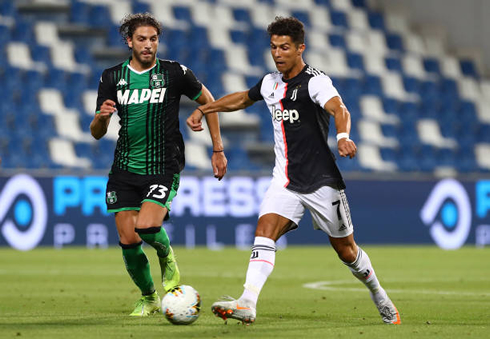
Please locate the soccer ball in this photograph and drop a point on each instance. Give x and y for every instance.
(181, 306)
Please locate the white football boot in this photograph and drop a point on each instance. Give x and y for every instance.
(386, 308)
(235, 309)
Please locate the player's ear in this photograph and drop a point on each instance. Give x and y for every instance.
(301, 48)
(130, 42)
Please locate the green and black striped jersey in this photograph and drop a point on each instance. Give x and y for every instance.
(147, 102)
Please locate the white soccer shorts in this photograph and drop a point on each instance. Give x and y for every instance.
(328, 207)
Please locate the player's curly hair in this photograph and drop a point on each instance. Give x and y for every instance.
(288, 26)
(131, 22)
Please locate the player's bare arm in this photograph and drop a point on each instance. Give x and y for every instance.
(218, 159)
(337, 108)
(98, 126)
(228, 103)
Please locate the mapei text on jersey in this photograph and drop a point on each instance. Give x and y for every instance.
(137, 96)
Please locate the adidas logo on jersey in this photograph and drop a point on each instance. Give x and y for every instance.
(137, 96)
(285, 115)
(122, 82)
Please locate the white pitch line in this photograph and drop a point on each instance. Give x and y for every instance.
(327, 286)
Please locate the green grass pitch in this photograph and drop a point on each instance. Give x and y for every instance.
(81, 293)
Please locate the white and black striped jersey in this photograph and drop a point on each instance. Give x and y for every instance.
(304, 162)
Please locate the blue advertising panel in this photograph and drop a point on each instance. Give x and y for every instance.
(70, 210)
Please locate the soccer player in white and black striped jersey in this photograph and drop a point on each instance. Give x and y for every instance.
(301, 100)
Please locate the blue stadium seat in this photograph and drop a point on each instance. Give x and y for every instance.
(239, 36)
(406, 160)
(411, 84)
(429, 90)
(99, 16)
(339, 19)
(372, 85)
(483, 133)
(4, 35)
(431, 65)
(84, 56)
(469, 69)
(394, 42)
(114, 38)
(238, 159)
(182, 13)
(465, 160)
(141, 7)
(41, 54)
(376, 20)
(303, 16)
(352, 88)
(34, 81)
(337, 40)
(359, 3)
(393, 64)
(355, 61)
(449, 88)
(8, 9)
(80, 13)
(57, 78)
(242, 15)
(388, 154)
(323, 2)
(22, 32)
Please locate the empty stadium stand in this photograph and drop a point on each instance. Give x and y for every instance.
(415, 107)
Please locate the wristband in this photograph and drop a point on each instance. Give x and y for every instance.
(218, 151)
(200, 110)
(342, 136)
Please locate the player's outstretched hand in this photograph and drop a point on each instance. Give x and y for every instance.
(220, 163)
(347, 148)
(194, 121)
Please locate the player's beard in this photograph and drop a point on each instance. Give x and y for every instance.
(146, 62)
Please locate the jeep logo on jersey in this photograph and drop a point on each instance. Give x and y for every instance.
(287, 115)
(157, 80)
(138, 96)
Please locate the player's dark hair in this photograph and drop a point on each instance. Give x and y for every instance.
(288, 26)
(131, 22)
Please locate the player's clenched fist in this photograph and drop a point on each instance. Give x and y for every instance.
(347, 148)
(194, 121)
(107, 108)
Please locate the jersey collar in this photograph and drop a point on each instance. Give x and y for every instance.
(142, 72)
(297, 75)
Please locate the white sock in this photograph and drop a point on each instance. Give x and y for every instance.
(362, 269)
(259, 268)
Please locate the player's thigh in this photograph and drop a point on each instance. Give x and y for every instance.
(158, 192)
(330, 211)
(280, 211)
(125, 223)
(151, 215)
(273, 226)
(123, 191)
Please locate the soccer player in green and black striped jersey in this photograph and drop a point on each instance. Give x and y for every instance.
(149, 156)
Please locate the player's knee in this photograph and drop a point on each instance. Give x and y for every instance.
(347, 254)
(129, 238)
(144, 224)
(266, 233)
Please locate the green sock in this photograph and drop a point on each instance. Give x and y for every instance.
(138, 267)
(157, 238)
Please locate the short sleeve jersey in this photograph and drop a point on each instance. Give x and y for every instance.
(148, 102)
(304, 162)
